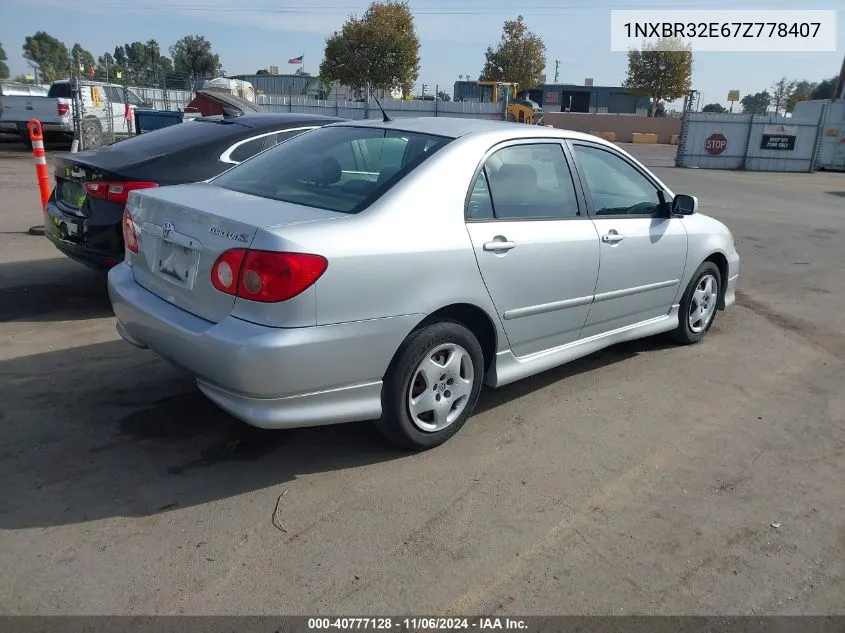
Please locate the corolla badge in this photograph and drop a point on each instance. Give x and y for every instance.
(238, 237)
(168, 229)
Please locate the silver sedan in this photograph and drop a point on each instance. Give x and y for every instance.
(387, 270)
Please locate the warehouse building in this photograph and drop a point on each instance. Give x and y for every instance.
(298, 84)
(566, 97)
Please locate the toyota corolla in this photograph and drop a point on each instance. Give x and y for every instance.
(387, 270)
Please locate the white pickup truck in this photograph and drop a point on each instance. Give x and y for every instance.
(103, 111)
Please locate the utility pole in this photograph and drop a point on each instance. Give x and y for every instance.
(557, 69)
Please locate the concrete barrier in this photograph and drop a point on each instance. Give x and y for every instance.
(607, 136)
(622, 125)
(639, 137)
(674, 139)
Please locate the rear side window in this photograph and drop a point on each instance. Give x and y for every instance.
(59, 90)
(246, 150)
(531, 181)
(338, 168)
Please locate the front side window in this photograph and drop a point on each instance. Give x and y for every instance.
(337, 168)
(531, 182)
(617, 188)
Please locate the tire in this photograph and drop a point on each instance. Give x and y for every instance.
(699, 304)
(405, 379)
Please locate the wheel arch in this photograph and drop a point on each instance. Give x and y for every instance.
(721, 261)
(475, 319)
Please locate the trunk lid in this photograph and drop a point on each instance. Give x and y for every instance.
(183, 229)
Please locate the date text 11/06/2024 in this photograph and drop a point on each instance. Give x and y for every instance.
(417, 624)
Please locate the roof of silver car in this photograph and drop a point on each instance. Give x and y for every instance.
(453, 127)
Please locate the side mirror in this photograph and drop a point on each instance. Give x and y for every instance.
(682, 204)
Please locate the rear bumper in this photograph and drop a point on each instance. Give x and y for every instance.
(21, 128)
(96, 241)
(267, 377)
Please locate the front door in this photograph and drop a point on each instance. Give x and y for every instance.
(537, 250)
(643, 251)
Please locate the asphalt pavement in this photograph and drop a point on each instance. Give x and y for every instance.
(645, 479)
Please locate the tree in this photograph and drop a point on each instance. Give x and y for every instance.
(262, 71)
(381, 50)
(757, 103)
(824, 89)
(193, 57)
(782, 91)
(48, 54)
(519, 58)
(661, 71)
(4, 69)
(716, 108)
(82, 58)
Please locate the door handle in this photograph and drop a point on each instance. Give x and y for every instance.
(612, 238)
(499, 245)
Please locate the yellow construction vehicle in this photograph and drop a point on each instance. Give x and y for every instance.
(518, 110)
(497, 89)
(525, 111)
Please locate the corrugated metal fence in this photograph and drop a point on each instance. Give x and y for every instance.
(746, 141)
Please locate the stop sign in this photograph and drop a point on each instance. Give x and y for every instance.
(716, 144)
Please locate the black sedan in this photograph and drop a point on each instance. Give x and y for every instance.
(84, 213)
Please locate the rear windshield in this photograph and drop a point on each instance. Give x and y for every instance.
(59, 90)
(338, 168)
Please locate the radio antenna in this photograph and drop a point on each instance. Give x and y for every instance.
(384, 114)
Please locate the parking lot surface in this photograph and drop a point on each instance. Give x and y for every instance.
(648, 478)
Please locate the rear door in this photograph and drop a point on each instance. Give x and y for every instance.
(643, 250)
(536, 248)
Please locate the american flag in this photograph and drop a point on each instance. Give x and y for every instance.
(296, 60)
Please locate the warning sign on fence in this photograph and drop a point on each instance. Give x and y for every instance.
(780, 137)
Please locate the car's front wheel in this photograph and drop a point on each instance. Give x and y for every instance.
(432, 386)
(699, 304)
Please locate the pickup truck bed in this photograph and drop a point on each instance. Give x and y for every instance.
(53, 113)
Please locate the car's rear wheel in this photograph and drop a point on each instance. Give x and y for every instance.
(432, 386)
(699, 304)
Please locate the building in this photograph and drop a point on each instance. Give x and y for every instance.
(295, 84)
(566, 97)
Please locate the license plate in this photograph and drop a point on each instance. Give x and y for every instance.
(176, 263)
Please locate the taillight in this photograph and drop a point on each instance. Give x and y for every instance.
(227, 268)
(62, 109)
(266, 276)
(130, 237)
(115, 191)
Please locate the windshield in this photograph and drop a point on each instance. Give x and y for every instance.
(337, 168)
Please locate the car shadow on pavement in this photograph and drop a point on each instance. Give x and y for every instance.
(106, 430)
(55, 289)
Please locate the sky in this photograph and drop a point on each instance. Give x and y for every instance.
(253, 34)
